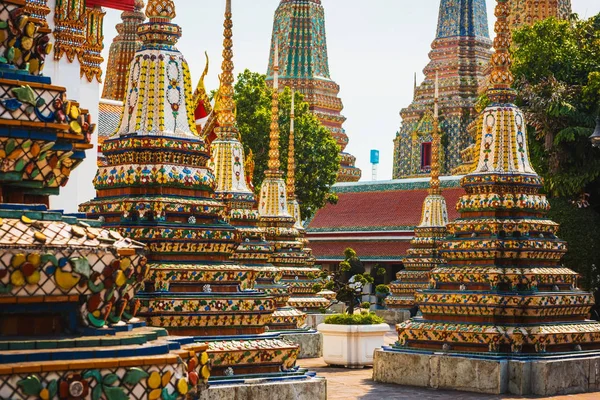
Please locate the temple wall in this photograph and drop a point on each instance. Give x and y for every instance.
(67, 74)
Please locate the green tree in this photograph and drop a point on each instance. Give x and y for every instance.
(317, 154)
(557, 75)
(578, 226)
(557, 72)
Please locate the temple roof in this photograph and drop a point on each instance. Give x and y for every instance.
(109, 118)
(381, 206)
(383, 250)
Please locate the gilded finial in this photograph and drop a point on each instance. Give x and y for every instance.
(291, 172)
(161, 10)
(435, 144)
(274, 163)
(501, 76)
(159, 30)
(415, 87)
(139, 5)
(226, 116)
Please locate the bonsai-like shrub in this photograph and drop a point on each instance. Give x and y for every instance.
(349, 290)
(354, 319)
(382, 289)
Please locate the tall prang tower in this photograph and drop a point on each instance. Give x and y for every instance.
(460, 53)
(121, 53)
(299, 28)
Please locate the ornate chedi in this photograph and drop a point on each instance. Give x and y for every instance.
(522, 12)
(423, 256)
(300, 280)
(68, 324)
(299, 31)
(232, 184)
(121, 53)
(460, 54)
(158, 188)
(503, 289)
(278, 224)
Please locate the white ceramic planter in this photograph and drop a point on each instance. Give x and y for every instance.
(351, 345)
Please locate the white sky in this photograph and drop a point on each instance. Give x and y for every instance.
(374, 49)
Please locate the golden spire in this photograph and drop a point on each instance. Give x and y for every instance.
(501, 76)
(159, 30)
(225, 115)
(160, 10)
(415, 87)
(291, 174)
(274, 163)
(435, 143)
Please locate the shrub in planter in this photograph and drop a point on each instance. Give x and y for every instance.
(350, 339)
(355, 319)
(382, 289)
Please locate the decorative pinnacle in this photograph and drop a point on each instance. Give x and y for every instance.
(159, 31)
(226, 116)
(274, 163)
(435, 144)
(161, 10)
(139, 5)
(501, 77)
(415, 87)
(291, 173)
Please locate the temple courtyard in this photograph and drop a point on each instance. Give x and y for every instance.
(350, 384)
(163, 237)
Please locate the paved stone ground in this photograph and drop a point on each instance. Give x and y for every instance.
(350, 384)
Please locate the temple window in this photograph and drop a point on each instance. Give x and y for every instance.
(426, 156)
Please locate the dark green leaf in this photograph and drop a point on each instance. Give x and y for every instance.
(134, 376)
(110, 379)
(31, 385)
(114, 393)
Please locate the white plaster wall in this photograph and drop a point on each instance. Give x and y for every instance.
(80, 188)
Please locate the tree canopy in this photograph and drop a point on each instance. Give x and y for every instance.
(317, 153)
(557, 72)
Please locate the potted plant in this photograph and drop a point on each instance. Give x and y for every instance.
(350, 338)
(381, 291)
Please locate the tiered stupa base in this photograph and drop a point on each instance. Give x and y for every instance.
(132, 362)
(67, 315)
(210, 312)
(518, 374)
(301, 281)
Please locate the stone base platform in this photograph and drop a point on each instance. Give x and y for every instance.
(313, 320)
(393, 317)
(547, 376)
(310, 342)
(305, 389)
